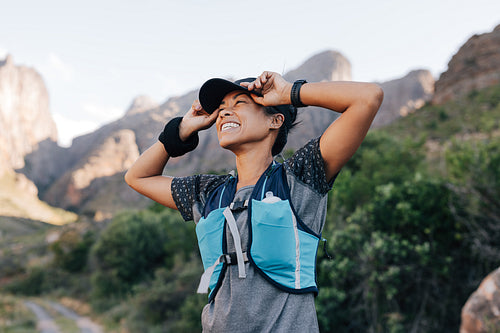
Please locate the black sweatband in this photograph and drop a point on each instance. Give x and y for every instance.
(295, 94)
(172, 142)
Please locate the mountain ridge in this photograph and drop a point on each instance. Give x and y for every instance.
(58, 178)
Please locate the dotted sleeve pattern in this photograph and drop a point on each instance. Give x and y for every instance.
(308, 167)
(188, 190)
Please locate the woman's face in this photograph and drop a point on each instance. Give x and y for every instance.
(242, 121)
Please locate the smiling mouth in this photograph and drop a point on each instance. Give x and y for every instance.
(228, 126)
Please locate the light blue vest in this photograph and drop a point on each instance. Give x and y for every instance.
(280, 247)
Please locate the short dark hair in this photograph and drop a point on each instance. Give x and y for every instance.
(290, 114)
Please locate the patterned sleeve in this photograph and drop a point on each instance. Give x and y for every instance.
(188, 190)
(308, 167)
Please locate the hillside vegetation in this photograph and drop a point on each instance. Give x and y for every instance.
(413, 226)
(19, 198)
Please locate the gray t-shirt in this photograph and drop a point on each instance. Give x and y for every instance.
(252, 304)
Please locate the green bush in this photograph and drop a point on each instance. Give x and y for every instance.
(408, 248)
(39, 280)
(474, 172)
(396, 263)
(130, 249)
(147, 267)
(71, 250)
(381, 159)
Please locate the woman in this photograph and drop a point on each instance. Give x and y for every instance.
(258, 232)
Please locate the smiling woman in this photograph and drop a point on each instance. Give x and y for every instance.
(258, 232)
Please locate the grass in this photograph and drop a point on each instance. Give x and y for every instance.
(477, 112)
(18, 201)
(14, 316)
(22, 244)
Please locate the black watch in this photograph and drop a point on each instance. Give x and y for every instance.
(295, 94)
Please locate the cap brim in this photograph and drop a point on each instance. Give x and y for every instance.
(213, 91)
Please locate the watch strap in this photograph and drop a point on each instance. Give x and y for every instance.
(295, 94)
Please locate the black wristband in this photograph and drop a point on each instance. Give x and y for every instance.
(172, 142)
(295, 94)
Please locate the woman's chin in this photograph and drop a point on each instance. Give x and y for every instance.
(226, 144)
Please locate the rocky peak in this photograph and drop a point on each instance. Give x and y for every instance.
(25, 119)
(475, 66)
(8, 61)
(405, 95)
(140, 104)
(325, 66)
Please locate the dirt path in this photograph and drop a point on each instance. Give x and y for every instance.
(84, 323)
(46, 323)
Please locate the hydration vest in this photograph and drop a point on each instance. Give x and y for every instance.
(281, 247)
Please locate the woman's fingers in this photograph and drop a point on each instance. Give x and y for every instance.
(270, 85)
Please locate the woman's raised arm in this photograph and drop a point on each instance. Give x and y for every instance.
(145, 175)
(358, 103)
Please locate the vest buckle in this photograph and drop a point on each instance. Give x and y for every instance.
(238, 205)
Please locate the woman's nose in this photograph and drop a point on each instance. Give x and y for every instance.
(226, 112)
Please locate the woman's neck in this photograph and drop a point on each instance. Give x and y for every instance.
(251, 165)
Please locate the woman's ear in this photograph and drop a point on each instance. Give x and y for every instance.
(277, 120)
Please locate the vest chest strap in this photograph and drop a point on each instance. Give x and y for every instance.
(231, 258)
(238, 205)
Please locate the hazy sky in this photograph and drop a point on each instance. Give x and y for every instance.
(96, 55)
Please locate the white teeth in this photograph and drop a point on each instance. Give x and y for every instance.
(229, 125)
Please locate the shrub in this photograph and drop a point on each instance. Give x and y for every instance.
(71, 250)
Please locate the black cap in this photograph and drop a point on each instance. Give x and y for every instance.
(213, 91)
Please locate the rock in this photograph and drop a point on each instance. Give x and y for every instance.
(475, 66)
(481, 312)
(403, 96)
(141, 104)
(113, 155)
(325, 66)
(25, 119)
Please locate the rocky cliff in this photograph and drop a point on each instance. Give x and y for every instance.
(25, 124)
(25, 119)
(405, 95)
(475, 66)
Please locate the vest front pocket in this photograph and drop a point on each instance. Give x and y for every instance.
(209, 232)
(308, 251)
(273, 241)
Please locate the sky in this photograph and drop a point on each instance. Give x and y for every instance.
(96, 56)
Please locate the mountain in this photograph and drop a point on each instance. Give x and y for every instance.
(476, 65)
(88, 176)
(25, 118)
